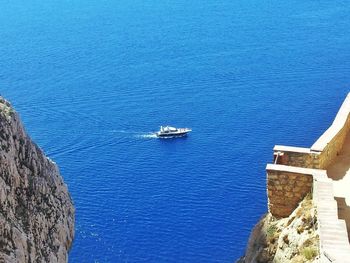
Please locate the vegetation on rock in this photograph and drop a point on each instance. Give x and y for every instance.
(288, 240)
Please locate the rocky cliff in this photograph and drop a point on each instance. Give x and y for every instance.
(288, 240)
(36, 210)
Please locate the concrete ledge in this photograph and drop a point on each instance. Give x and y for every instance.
(293, 169)
(282, 148)
(338, 124)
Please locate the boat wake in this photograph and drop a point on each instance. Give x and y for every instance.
(147, 136)
(123, 131)
(134, 134)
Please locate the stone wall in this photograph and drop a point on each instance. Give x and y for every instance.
(286, 187)
(289, 179)
(332, 140)
(334, 146)
(295, 156)
(323, 152)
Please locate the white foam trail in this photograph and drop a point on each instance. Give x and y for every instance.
(147, 136)
(121, 131)
(137, 134)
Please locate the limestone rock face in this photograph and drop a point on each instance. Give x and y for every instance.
(288, 240)
(262, 243)
(298, 240)
(36, 210)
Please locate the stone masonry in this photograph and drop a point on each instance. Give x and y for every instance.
(289, 179)
(286, 187)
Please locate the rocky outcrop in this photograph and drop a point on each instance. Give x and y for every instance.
(289, 240)
(36, 210)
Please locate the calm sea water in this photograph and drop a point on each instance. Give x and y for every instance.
(92, 79)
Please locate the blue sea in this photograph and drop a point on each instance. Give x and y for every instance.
(93, 79)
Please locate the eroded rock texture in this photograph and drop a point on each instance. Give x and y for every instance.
(36, 211)
(293, 239)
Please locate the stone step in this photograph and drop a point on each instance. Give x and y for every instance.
(321, 178)
(324, 195)
(336, 253)
(324, 220)
(323, 184)
(342, 223)
(340, 239)
(323, 259)
(326, 212)
(331, 226)
(329, 197)
(329, 229)
(319, 192)
(326, 230)
(323, 188)
(333, 232)
(336, 235)
(326, 203)
(341, 258)
(335, 258)
(324, 217)
(337, 242)
(335, 250)
(324, 181)
(328, 239)
(323, 192)
(322, 198)
(319, 198)
(330, 208)
(327, 222)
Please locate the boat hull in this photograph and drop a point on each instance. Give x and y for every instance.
(166, 133)
(170, 135)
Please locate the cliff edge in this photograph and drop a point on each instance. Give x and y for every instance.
(36, 210)
(293, 239)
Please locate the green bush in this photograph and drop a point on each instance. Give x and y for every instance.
(271, 231)
(310, 252)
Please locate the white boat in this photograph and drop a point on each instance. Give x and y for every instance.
(169, 131)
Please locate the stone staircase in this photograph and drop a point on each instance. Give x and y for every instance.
(334, 241)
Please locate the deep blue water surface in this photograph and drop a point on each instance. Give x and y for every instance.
(91, 79)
